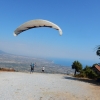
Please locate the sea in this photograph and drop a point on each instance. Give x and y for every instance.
(68, 62)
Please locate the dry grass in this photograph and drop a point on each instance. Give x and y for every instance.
(7, 69)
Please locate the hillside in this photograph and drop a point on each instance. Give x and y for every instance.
(22, 63)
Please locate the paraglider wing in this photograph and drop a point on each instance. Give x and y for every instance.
(35, 24)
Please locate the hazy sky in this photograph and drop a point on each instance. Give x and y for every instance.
(78, 19)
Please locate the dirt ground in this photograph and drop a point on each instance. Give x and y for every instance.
(43, 86)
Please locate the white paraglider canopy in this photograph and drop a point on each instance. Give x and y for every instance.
(36, 24)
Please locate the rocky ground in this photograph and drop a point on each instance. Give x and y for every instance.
(43, 86)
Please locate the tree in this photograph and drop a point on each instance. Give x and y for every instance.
(77, 66)
(98, 50)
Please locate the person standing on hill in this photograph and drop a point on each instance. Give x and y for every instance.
(43, 68)
(32, 67)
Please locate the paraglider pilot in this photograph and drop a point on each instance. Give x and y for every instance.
(32, 67)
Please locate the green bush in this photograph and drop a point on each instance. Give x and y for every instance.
(88, 73)
(92, 75)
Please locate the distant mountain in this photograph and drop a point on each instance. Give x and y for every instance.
(22, 63)
(2, 52)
